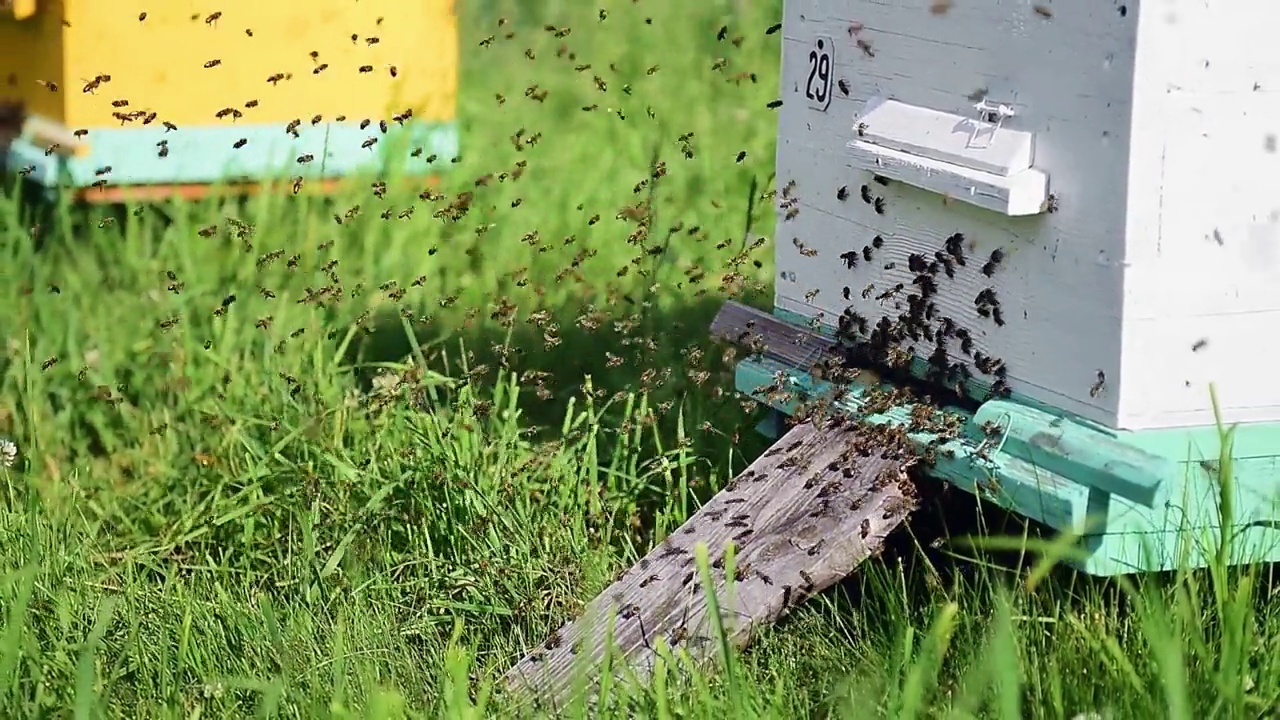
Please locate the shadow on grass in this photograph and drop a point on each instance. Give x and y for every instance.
(654, 353)
(718, 423)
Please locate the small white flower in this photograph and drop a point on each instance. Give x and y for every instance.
(8, 453)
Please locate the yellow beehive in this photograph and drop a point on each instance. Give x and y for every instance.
(233, 77)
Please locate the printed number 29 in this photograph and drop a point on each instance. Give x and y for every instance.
(817, 87)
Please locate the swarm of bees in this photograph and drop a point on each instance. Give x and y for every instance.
(287, 295)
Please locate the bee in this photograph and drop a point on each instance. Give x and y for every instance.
(1199, 345)
(168, 126)
(80, 133)
(169, 324)
(843, 193)
(1099, 385)
(989, 268)
(47, 364)
(866, 194)
(212, 64)
(1050, 204)
(843, 85)
(240, 143)
(1043, 11)
(319, 68)
(940, 7)
(742, 155)
(142, 16)
(276, 78)
(365, 69)
(48, 85)
(774, 105)
(120, 103)
(304, 159)
(213, 18)
(879, 205)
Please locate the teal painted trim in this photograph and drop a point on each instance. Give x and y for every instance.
(1141, 501)
(207, 154)
(972, 462)
(773, 426)
(1125, 553)
(1091, 458)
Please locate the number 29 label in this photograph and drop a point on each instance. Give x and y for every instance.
(822, 61)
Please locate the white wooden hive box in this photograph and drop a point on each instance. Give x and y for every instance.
(1119, 158)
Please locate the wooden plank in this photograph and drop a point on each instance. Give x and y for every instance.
(761, 333)
(801, 517)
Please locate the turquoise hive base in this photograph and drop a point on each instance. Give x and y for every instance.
(208, 154)
(1137, 501)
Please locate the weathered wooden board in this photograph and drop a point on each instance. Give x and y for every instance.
(801, 518)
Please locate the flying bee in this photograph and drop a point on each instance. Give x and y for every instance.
(1099, 385)
(212, 18)
(212, 63)
(365, 69)
(240, 143)
(47, 364)
(320, 68)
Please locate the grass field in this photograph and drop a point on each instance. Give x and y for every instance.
(370, 503)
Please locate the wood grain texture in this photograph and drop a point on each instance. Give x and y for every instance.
(801, 517)
(758, 332)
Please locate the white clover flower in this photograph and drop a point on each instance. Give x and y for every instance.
(8, 453)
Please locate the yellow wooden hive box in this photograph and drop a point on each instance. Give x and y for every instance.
(183, 93)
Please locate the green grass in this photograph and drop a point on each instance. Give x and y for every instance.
(370, 506)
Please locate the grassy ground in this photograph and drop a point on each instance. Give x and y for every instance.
(370, 504)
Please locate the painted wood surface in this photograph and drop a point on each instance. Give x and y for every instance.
(801, 518)
(187, 60)
(1152, 271)
(196, 154)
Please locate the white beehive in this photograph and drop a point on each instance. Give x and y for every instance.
(1123, 161)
